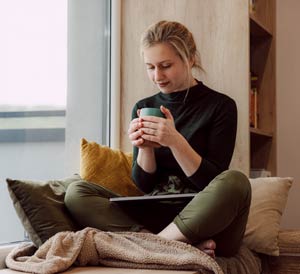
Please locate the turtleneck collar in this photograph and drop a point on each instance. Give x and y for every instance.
(179, 96)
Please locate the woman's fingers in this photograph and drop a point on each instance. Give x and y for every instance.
(163, 133)
(150, 138)
(167, 113)
(135, 135)
(149, 131)
(138, 142)
(153, 122)
(134, 125)
(134, 132)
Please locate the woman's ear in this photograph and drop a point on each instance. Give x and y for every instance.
(192, 61)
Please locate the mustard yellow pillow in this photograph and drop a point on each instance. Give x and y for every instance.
(269, 197)
(107, 167)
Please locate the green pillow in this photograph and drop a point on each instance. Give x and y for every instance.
(40, 207)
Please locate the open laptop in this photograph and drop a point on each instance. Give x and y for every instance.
(148, 198)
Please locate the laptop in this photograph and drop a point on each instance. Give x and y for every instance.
(148, 198)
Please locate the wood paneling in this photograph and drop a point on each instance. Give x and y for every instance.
(221, 31)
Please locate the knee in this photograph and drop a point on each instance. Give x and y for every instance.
(236, 184)
(73, 197)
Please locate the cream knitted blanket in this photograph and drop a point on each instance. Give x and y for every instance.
(117, 249)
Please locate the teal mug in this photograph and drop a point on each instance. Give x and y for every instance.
(151, 112)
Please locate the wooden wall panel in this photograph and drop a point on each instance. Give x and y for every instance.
(221, 31)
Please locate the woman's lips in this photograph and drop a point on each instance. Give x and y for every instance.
(162, 85)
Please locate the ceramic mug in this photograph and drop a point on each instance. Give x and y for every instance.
(151, 112)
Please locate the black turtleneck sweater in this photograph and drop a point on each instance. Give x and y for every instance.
(207, 120)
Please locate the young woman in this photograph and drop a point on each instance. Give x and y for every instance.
(187, 151)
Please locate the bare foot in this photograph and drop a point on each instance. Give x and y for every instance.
(171, 232)
(207, 247)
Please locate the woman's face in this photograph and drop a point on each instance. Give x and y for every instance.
(166, 69)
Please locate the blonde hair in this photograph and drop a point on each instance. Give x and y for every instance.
(176, 35)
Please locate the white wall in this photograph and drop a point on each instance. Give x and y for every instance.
(32, 161)
(288, 99)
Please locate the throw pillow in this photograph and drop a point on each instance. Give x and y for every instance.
(107, 167)
(40, 207)
(269, 197)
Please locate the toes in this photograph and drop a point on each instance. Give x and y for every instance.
(210, 244)
(210, 252)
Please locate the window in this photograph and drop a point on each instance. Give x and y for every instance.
(49, 78)
(34, 69)
(34, 62)
(33, 97)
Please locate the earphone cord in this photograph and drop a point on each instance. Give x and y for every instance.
(186, 94)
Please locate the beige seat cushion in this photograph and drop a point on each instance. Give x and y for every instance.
(108, 270)
(289, 260)
(289, 242)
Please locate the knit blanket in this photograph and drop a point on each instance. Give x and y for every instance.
(123, 249)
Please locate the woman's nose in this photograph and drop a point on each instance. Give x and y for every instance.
(158, 75)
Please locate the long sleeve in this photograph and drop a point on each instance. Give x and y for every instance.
(220, 145)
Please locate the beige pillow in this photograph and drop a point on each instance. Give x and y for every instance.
(269, 197)
(107, 167)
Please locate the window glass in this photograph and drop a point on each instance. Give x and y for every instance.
(33, 89)
(54, 90)
(33, 58)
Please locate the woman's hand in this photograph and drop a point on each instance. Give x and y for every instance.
(148, 131)
(159, 130)
(135, 133)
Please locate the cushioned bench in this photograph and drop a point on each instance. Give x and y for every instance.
(289, 260)
(287, 263)
(109, 270)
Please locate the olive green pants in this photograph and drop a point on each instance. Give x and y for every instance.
(218, 212)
